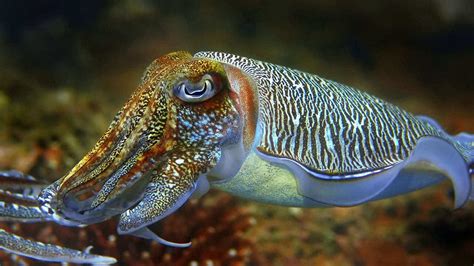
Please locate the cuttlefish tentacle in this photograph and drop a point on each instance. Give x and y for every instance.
(18, 197)
(47, 252)
(21, 205)
(19, 182)
(172, 183)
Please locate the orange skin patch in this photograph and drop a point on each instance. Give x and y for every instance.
(243, 93)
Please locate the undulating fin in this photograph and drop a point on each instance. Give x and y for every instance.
(464, 144)
(47, 252)
(471, 197)
(445, 156)
(466, 141)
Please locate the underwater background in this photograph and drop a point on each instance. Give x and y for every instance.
(67, 67)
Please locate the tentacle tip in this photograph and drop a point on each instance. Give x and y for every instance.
(98, 259)
(104, 260)
(177, 245)
(146, 233)
(87, 249)
(461, 200)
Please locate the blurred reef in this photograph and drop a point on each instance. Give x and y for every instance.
(67, 67)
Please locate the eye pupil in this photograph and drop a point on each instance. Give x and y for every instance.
(196, 92)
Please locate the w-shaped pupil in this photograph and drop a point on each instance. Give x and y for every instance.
(194, 90)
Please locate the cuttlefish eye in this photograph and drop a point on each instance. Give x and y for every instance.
(189, 91)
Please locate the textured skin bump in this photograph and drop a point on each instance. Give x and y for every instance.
(328, 127)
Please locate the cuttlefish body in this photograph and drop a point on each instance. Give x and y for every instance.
(259, 131)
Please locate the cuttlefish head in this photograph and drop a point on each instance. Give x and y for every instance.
(188, 118)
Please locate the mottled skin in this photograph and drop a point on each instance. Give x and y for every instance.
(257, 130)
(156, 138)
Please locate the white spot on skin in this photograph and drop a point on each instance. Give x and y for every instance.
(171, 185)
(395, 141)
(357, 125)
(193, 263)
(328, 137)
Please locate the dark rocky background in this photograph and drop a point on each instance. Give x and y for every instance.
(67, 67)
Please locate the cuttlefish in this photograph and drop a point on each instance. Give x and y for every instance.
(260, 131)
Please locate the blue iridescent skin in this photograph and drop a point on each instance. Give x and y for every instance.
(256, 130)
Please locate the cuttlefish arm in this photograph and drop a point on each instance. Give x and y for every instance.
(24, 207)
(171, 184)
(47, 252)
(18, 200)
(21, 183)
(19, 207)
